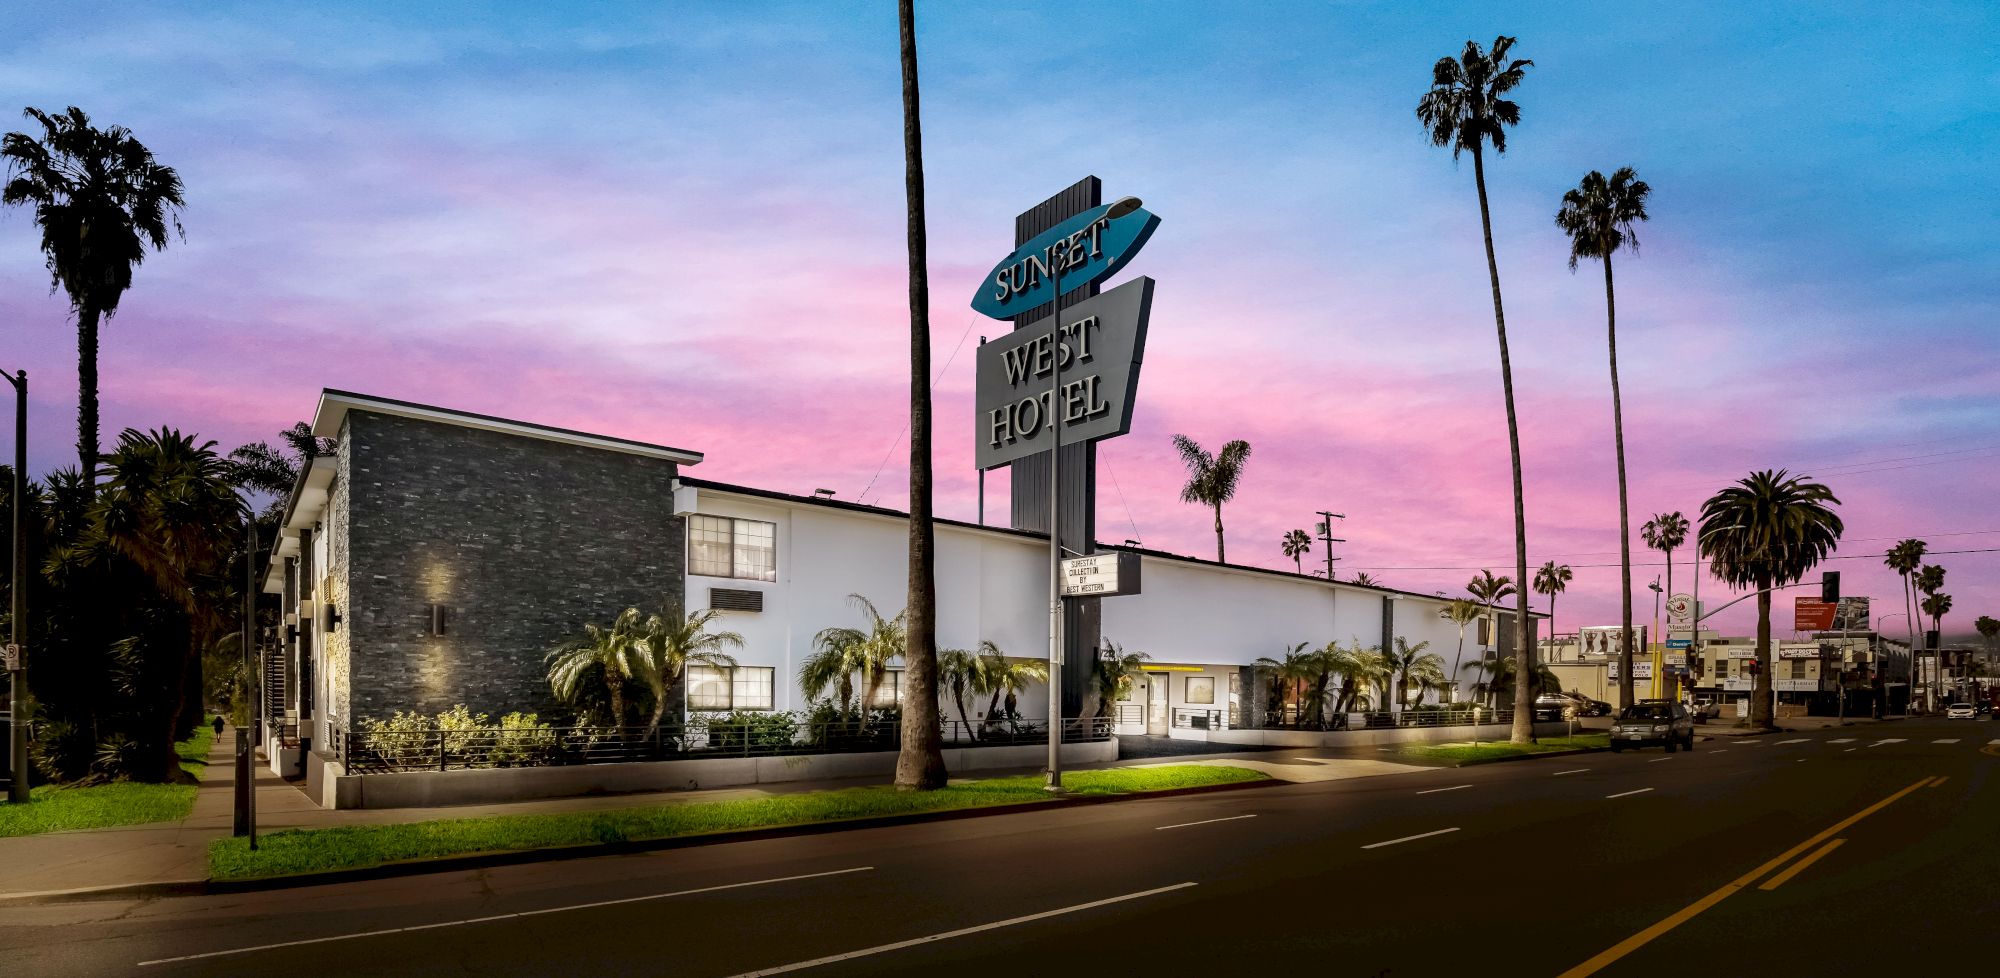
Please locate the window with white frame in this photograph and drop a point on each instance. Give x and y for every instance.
(724, 688)
(722, 546)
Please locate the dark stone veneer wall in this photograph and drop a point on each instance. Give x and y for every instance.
(525, 540)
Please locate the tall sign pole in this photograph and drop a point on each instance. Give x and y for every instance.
(1016, 417)
(17, 664)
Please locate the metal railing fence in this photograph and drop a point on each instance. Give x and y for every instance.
(1290, 718)
(386, 750)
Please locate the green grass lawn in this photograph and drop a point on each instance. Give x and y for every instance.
(55, 808)
(350, 847)
(1458, 753)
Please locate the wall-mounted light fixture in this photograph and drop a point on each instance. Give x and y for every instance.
(332, 617)
(440, 619)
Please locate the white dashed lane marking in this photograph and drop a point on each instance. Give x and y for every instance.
(1623, 794)
(1841, 740)
(1945, 740)
(1797, 740)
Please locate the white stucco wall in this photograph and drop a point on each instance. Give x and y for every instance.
(993, 585)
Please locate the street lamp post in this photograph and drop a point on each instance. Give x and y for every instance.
(1118, 209)
(1658, 661)
(17, 664)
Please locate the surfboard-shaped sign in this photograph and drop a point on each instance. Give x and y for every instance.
(1086, 248)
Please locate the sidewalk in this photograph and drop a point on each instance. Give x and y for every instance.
(167, 854)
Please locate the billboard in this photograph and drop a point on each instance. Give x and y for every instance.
(1608, 640)
(1812, 615)
(1852, 615)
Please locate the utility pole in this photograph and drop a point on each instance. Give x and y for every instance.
(1325, 528)
(17, 655)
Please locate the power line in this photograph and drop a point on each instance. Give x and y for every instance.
(906, 420)
(1121, 497)
(1606, 553)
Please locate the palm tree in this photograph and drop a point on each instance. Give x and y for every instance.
(1904, 558)
(1359, 668)
(1009, 678)
(1295, 546)
(1111, 673)
(1490, 591)
(1598, 216)
(604, 658)
(961, 671)
(1666, 532)
(1767, 530)
(1460, 612)
(1464, 109)
(100, 198)
(1428, 674)
(167, 507)
(1499, 682)
(1937, 605)
(1212, 478)
(1298, 670)
(672, 641)
(1406, 661)
(840, 654)
(1989, 628)
(920, 759)
(1365, 579)
(1551, 580)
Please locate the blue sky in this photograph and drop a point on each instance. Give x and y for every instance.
(683, 222)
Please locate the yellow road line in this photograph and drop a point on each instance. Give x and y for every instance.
(1683, 915)
(1939, 781)
(1798, 867)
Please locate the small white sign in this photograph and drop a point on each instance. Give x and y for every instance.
(1100, 575)
(1680, 611)
(10, 656)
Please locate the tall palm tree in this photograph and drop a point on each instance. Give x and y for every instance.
(1405, 661)
(1552, 579)
(1904, 558)
(1112, 673)
(1465, 110)
(99, 198)
(1460, 612)
(672, 641)
(962, 671)
(840, 654)
(1598, 216)
(168, 508)
(1937, 604)
(603, 657)
(1767, 530)
(1667, 532)
(1212, 478)
(920, 759)
(1295, 546)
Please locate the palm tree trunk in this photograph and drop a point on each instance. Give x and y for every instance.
(1219, 558)
(1761, 712)
(1524, 718)
(86, 395)
(1552, 617)
(1624, 508)
(920, 761)
(616, 687)
(1456, 658)
(1298, 564)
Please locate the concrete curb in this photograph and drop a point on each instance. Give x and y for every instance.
(487, 860)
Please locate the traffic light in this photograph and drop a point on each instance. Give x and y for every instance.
(1756, 668)
(1829, 587)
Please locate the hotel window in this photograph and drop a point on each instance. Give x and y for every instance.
(740, 688)
(889, 694)
(719, 546)
(1798, 668)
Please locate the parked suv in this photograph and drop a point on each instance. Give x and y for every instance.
(1653, 722)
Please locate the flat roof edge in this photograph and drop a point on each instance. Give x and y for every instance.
(333, 404)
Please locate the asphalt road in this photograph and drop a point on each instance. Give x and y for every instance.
(1832, 853)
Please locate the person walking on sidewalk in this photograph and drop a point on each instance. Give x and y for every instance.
(217, 724)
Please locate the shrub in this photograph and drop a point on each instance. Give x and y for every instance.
(755, 729)
(460, 738)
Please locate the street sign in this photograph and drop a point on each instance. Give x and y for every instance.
(1679, 643)
(10, 656)
(1103, 339)
(1100, 575)
(1086, 248)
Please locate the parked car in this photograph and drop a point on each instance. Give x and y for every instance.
(1960, 711)
(1586, 706)
(1552, 707)
(1650, 722)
